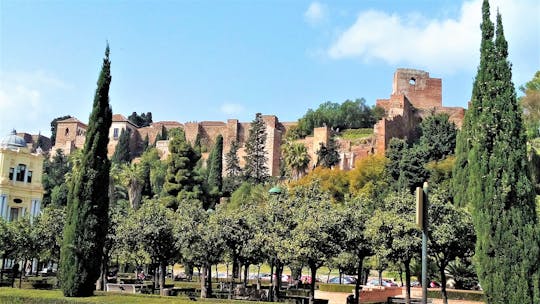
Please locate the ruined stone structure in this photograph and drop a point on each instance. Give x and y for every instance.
(414, 95)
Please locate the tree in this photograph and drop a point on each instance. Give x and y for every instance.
(438, 136)
(182, 180)
(394, 234)
(214, 167)
(132, 177)
(49, 227)
(491, 170)
(368, 178)
(88, 201)
(143, 120)
(122, 154)
(316, 235)
(531, 106)
(256, 155)
(328, 156)
(155, 235)
(233, 172)
(54, 123)
(356, 214)
(451, 235)
(296, 158)
(54, 179)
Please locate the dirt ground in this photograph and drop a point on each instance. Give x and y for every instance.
(341, 298)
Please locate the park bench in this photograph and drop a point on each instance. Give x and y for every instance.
(402, 300)
(129, 288)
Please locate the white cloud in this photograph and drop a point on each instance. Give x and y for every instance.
(315, 13)
(440, 45)
(24, 101)
(232, 109)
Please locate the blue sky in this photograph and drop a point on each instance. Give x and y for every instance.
(214, 60)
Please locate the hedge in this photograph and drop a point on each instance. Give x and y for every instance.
(336, 287)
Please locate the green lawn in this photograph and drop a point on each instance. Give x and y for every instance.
(15, 296)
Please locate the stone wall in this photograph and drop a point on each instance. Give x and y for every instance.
(422, 91)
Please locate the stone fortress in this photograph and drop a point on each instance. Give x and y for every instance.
(414, 95)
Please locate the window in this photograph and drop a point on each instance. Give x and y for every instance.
(67, 131)
(412, 81)
(11, 171)
(29, 177)
(21, 170)
(13, 214)
(115, 133)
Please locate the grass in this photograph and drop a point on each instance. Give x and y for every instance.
(356, 136)
(26, 296)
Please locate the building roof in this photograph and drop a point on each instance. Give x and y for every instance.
(72, 119)
(12, 141)
(119, 117)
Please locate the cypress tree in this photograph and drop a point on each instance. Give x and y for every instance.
(214, 167)
(255, 169)
(121, 153)
(493, 166)
(233, 172)
(88, 201)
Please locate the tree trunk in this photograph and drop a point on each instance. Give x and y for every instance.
(21, 273)
(235, 267)
(209, 282)
(358, 282)
(202, 277)
(102, 282)
(272, 283)
(162, 272)
(135, 194)
(328, 276)
(246, 271)
(313, 269)
(407, 282)
(380, 276)
(400, 275)
(443, 284)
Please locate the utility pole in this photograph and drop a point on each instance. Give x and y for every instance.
(422, 223)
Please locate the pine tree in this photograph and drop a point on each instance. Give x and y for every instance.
(214, 167)
(492, 165)
(145, 143)
(256, 169)
(121, 153)
(88, 201)
(182, 180)
(233, 172)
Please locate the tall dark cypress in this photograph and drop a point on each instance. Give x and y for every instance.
(122, 154)
(88, 201)
(493, 166)
(214, 167)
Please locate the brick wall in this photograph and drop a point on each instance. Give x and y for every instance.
(423, 91)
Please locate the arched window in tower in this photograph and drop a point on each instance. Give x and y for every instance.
(67, 131)
(412, 81)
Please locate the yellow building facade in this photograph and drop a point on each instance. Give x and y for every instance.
(21, 189)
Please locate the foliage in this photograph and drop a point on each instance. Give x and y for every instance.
(531, 106)
(333, 181)
(296, 158)
(328, 155)
(315, 236)
(54, 123)
(491, 170)
(152, 173)
(132, 176)
(182, 180)
(54, 179)
(348, 115)
(247, 194)
(451, 234)
(88, 201)
(233, 172)
(393, 232)
(143, 120)
(368, 178)
(214, 167)
(438, 136)
(462, 271)
(122, 155)
(256, 157)
(48, 228)
(154, 224)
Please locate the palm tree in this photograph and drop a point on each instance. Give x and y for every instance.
(296, 158)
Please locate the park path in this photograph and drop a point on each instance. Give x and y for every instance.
(341, 298)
